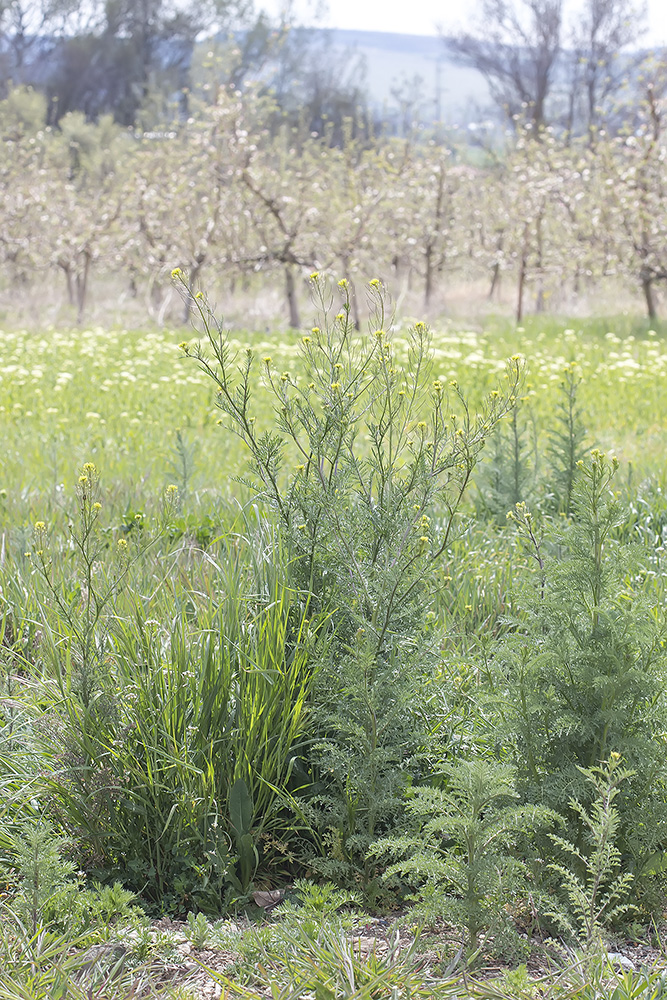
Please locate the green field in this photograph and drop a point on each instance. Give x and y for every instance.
(118, 397)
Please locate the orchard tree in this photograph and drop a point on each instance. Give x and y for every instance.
(79, 195)
(588, 251)
(194, 219)
(361, 181)
(634, 200)
(284, 188)
(24, 142)
(439, 189)
(520, 222)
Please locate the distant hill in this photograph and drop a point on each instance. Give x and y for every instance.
(407, 78)
(448, 93)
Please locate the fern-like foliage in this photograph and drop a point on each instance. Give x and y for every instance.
(597, 890)
(566, 442)
(580, 672)
(462, 853)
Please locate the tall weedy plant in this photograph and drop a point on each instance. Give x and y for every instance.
(581, 673)
(364, 470)
(595, 886)
(461, 850)
(508, 474)
(566, 442)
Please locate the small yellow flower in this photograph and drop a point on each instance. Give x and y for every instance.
(83, 480)
(342, 283)
(420, 325)
(97, 506)
(306, 340)
(285, 377)
(122, 544)
(335, 386)
(314, 275)
(379, 334)
(40, 526)
(315, 330)
(300, 468)
(340, 317)
(374, 283)
(423, 539)
(267, 360)
(176, 273)
(199, 295)
(422, 425)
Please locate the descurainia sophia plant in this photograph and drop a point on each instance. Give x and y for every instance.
(364, 471)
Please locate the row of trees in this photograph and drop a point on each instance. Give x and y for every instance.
(237, 191)
(140, 62)
(132, 59)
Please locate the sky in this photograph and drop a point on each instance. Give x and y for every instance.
(423, 17)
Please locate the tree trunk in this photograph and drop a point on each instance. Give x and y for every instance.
(495, 281)
(82, 286)
(428, 278)
(539, 298)
(290, 291)
(68, 279)
(521, 289)
(647, 288)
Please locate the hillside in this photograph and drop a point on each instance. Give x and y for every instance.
(447, 92)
